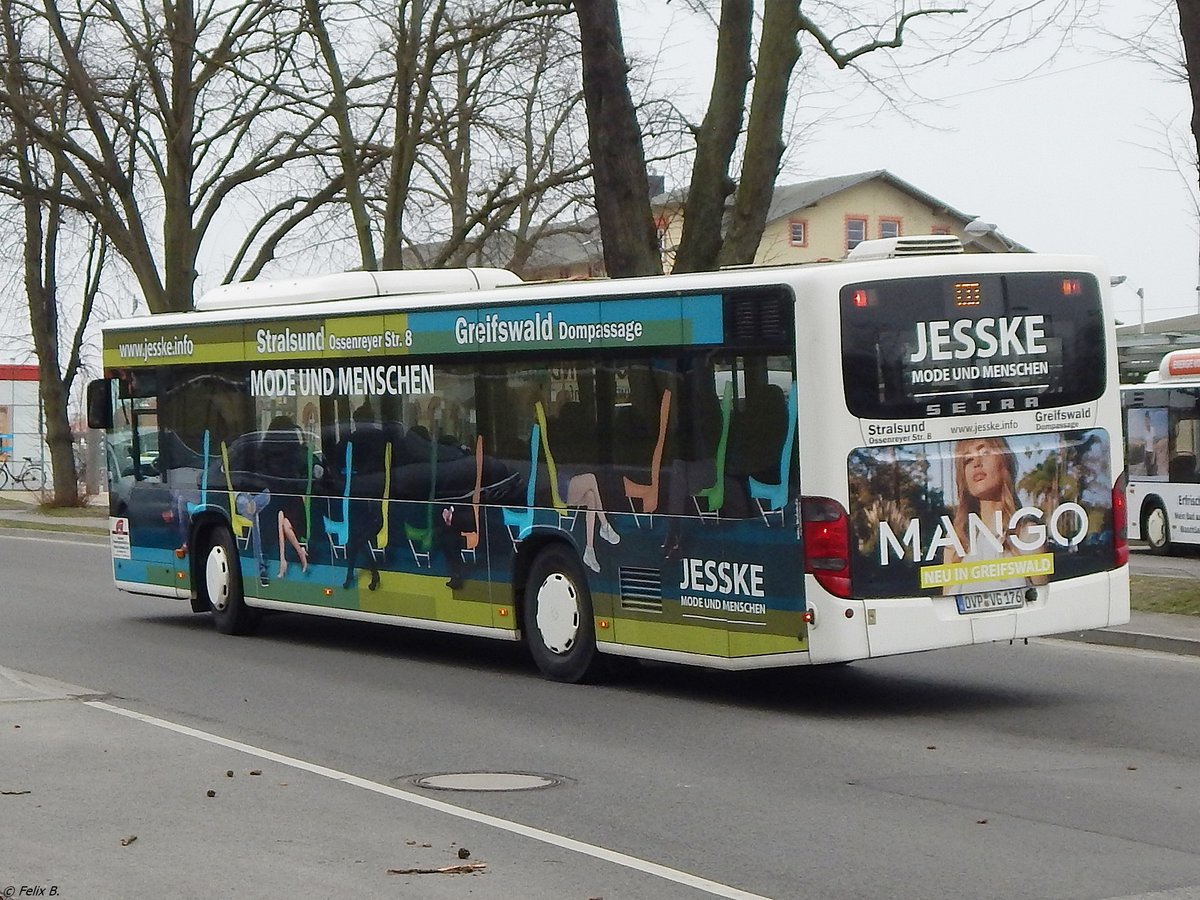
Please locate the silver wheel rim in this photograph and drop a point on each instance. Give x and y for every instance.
(1156, 527)
(216, 577)
(558, 613)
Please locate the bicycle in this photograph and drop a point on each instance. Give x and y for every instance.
(30, 475)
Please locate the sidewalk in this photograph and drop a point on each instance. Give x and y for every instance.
(1163, 632)
(102, 801)
(92, 519)
(1145, 631)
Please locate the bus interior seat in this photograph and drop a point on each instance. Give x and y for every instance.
(1183, 468)
(632, 439)
(759, 430)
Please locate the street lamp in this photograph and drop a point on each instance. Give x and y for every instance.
(1141, 295)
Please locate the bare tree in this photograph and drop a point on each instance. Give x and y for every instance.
(1167, 37)
(1189, 32)
(451, 143)
(45, 234)
(738, 154)
(182, 111)
(615, 141)
(502, 158)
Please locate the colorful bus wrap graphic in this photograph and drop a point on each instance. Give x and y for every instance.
(625, 323)
(980, 516)
(438, 540)
(422, 491)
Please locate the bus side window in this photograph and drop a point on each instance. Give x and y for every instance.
(759, 429)
(1183, 468)
(1184, 433)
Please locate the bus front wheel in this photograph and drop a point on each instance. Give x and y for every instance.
(223, 586)
(557, 617)
(1156, 529)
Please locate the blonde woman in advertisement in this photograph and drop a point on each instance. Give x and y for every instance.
(985, 478)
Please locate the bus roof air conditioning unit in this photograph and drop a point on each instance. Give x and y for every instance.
(914, 245)
(352, 286)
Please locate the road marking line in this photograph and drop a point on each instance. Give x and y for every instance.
(546, 837)
(97, 540)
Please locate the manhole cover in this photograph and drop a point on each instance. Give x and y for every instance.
(486, 781)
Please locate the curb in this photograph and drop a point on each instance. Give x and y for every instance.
(1136, 640)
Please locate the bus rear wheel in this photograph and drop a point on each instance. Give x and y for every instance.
(222, 584)
(557, 617)
(1156, 529)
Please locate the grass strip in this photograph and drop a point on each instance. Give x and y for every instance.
(1155, 594)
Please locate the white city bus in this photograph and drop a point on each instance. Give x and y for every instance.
(1162, 444)
(912, 449)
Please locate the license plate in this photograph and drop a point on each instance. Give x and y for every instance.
(1014, 598)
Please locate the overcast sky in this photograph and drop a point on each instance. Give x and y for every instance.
(1071, 158)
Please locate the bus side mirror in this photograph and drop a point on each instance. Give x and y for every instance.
(99, 404)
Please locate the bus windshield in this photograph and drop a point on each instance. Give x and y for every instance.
(963, 345)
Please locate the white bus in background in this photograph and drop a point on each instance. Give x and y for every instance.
(1162, 446)
(761, 467)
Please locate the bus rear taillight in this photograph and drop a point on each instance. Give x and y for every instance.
(1120, 522)
(827, 544)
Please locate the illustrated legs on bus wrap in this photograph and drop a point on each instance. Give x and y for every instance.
(287, 535)
(458, 532)
(366, 518)
(180, 515)
(686, 478)
(470, 537)
(366, 454)
(184, 501)
(583, 491)
(284, 458)
(450, 535)
(249, 506)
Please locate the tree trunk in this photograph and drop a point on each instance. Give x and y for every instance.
(778, 54)
(179, 234)
(704, 219)
(348, 151)
(43, 320)
(615, 141)
(59, 439)
(1189, 30)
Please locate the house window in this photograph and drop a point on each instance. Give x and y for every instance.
(940, 229)
(798, 232)
(856, 231)
(889, 228)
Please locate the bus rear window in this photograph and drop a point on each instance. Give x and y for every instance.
(967, 345)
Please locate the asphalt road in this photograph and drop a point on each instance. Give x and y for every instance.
(1185, 563)
(1047, 770)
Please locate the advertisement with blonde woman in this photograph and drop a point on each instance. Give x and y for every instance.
(980, 517)
(985, 478)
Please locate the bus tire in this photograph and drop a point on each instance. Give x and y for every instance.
(221, 581)
(1156, 528)
(557, 617)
